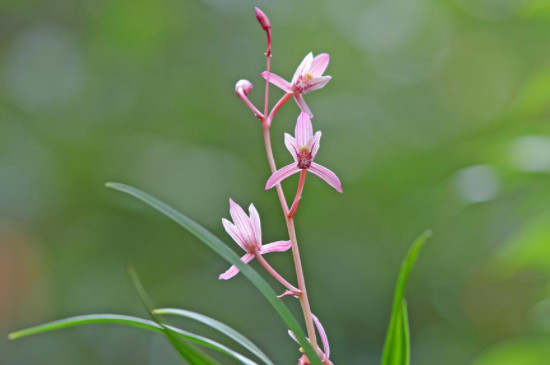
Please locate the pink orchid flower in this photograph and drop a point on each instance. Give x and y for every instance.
(303, 148)
(323, 354)
(308, 77)
(247, 232)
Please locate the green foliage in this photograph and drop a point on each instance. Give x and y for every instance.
(224, 251)
(219, 326)
(397, 348)
(129, 321)
(187, 352)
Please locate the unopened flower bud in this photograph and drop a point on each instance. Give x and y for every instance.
(263, 19)
(244, 85)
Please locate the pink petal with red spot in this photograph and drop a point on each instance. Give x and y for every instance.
(241, 221)
(317, 83)
(319, 64)
(278, 81)
(234, 270)
(302, 104)
(256, 225)
(278, 246)
(281, 174)
(303, 67)
(315, 144)
(327, 175)
(234, 233)
(291, 145)
(303, 130)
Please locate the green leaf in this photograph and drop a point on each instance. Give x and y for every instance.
(406, 333)
(187, 352)
(219, 326)
(130, 321)
(397, 345)
(225, 252)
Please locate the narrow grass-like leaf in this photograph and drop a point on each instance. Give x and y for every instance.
(406, 334)
(219, 326)
(129, 321)
(397, 345)
(189, 353)
(225, 252)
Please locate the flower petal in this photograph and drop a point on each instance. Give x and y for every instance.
(278, 81)
(255, 219)
(278, 246)
(281, 174)
(303, 67)
(315, 144)
(287, 292)
(317, 83)
(319, 64)
(242, 222)
(327, 175)
(323, 335)
(234, 270)
(234, 233)
(303, 130)
(291, 146)
(302, 104)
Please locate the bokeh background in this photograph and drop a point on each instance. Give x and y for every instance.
(437, 117)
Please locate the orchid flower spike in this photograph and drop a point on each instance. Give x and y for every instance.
(308, 77)
(303, 147)
(247, 232)
(323, 354)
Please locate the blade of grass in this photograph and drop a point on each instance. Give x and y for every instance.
(406, 334)
(129, 321)
(395, 345)
(219, 326)
(225, 252)
(187, 352)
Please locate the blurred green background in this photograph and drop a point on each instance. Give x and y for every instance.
(437, 117)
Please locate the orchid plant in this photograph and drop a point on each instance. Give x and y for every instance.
(245, 230)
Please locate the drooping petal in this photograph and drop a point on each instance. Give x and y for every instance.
(303, 130)
(319, 64)
(293, 336)
(323, 335)
(278, 81)
(302, 104)
(278, 246)
(241, 221)
(255, 219)
(303, 67)
(234, 270)
(317, 83)
(315, 143)
(281, 174)
(286, 293)
(234, 233)
(327, 175)
(291, 146)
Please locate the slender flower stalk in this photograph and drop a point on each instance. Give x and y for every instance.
(308, 77)
(242, 88)
(298, 196)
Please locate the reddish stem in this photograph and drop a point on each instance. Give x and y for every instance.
(298, 195)
(249, 104)
(276, 275)
(282, 101)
